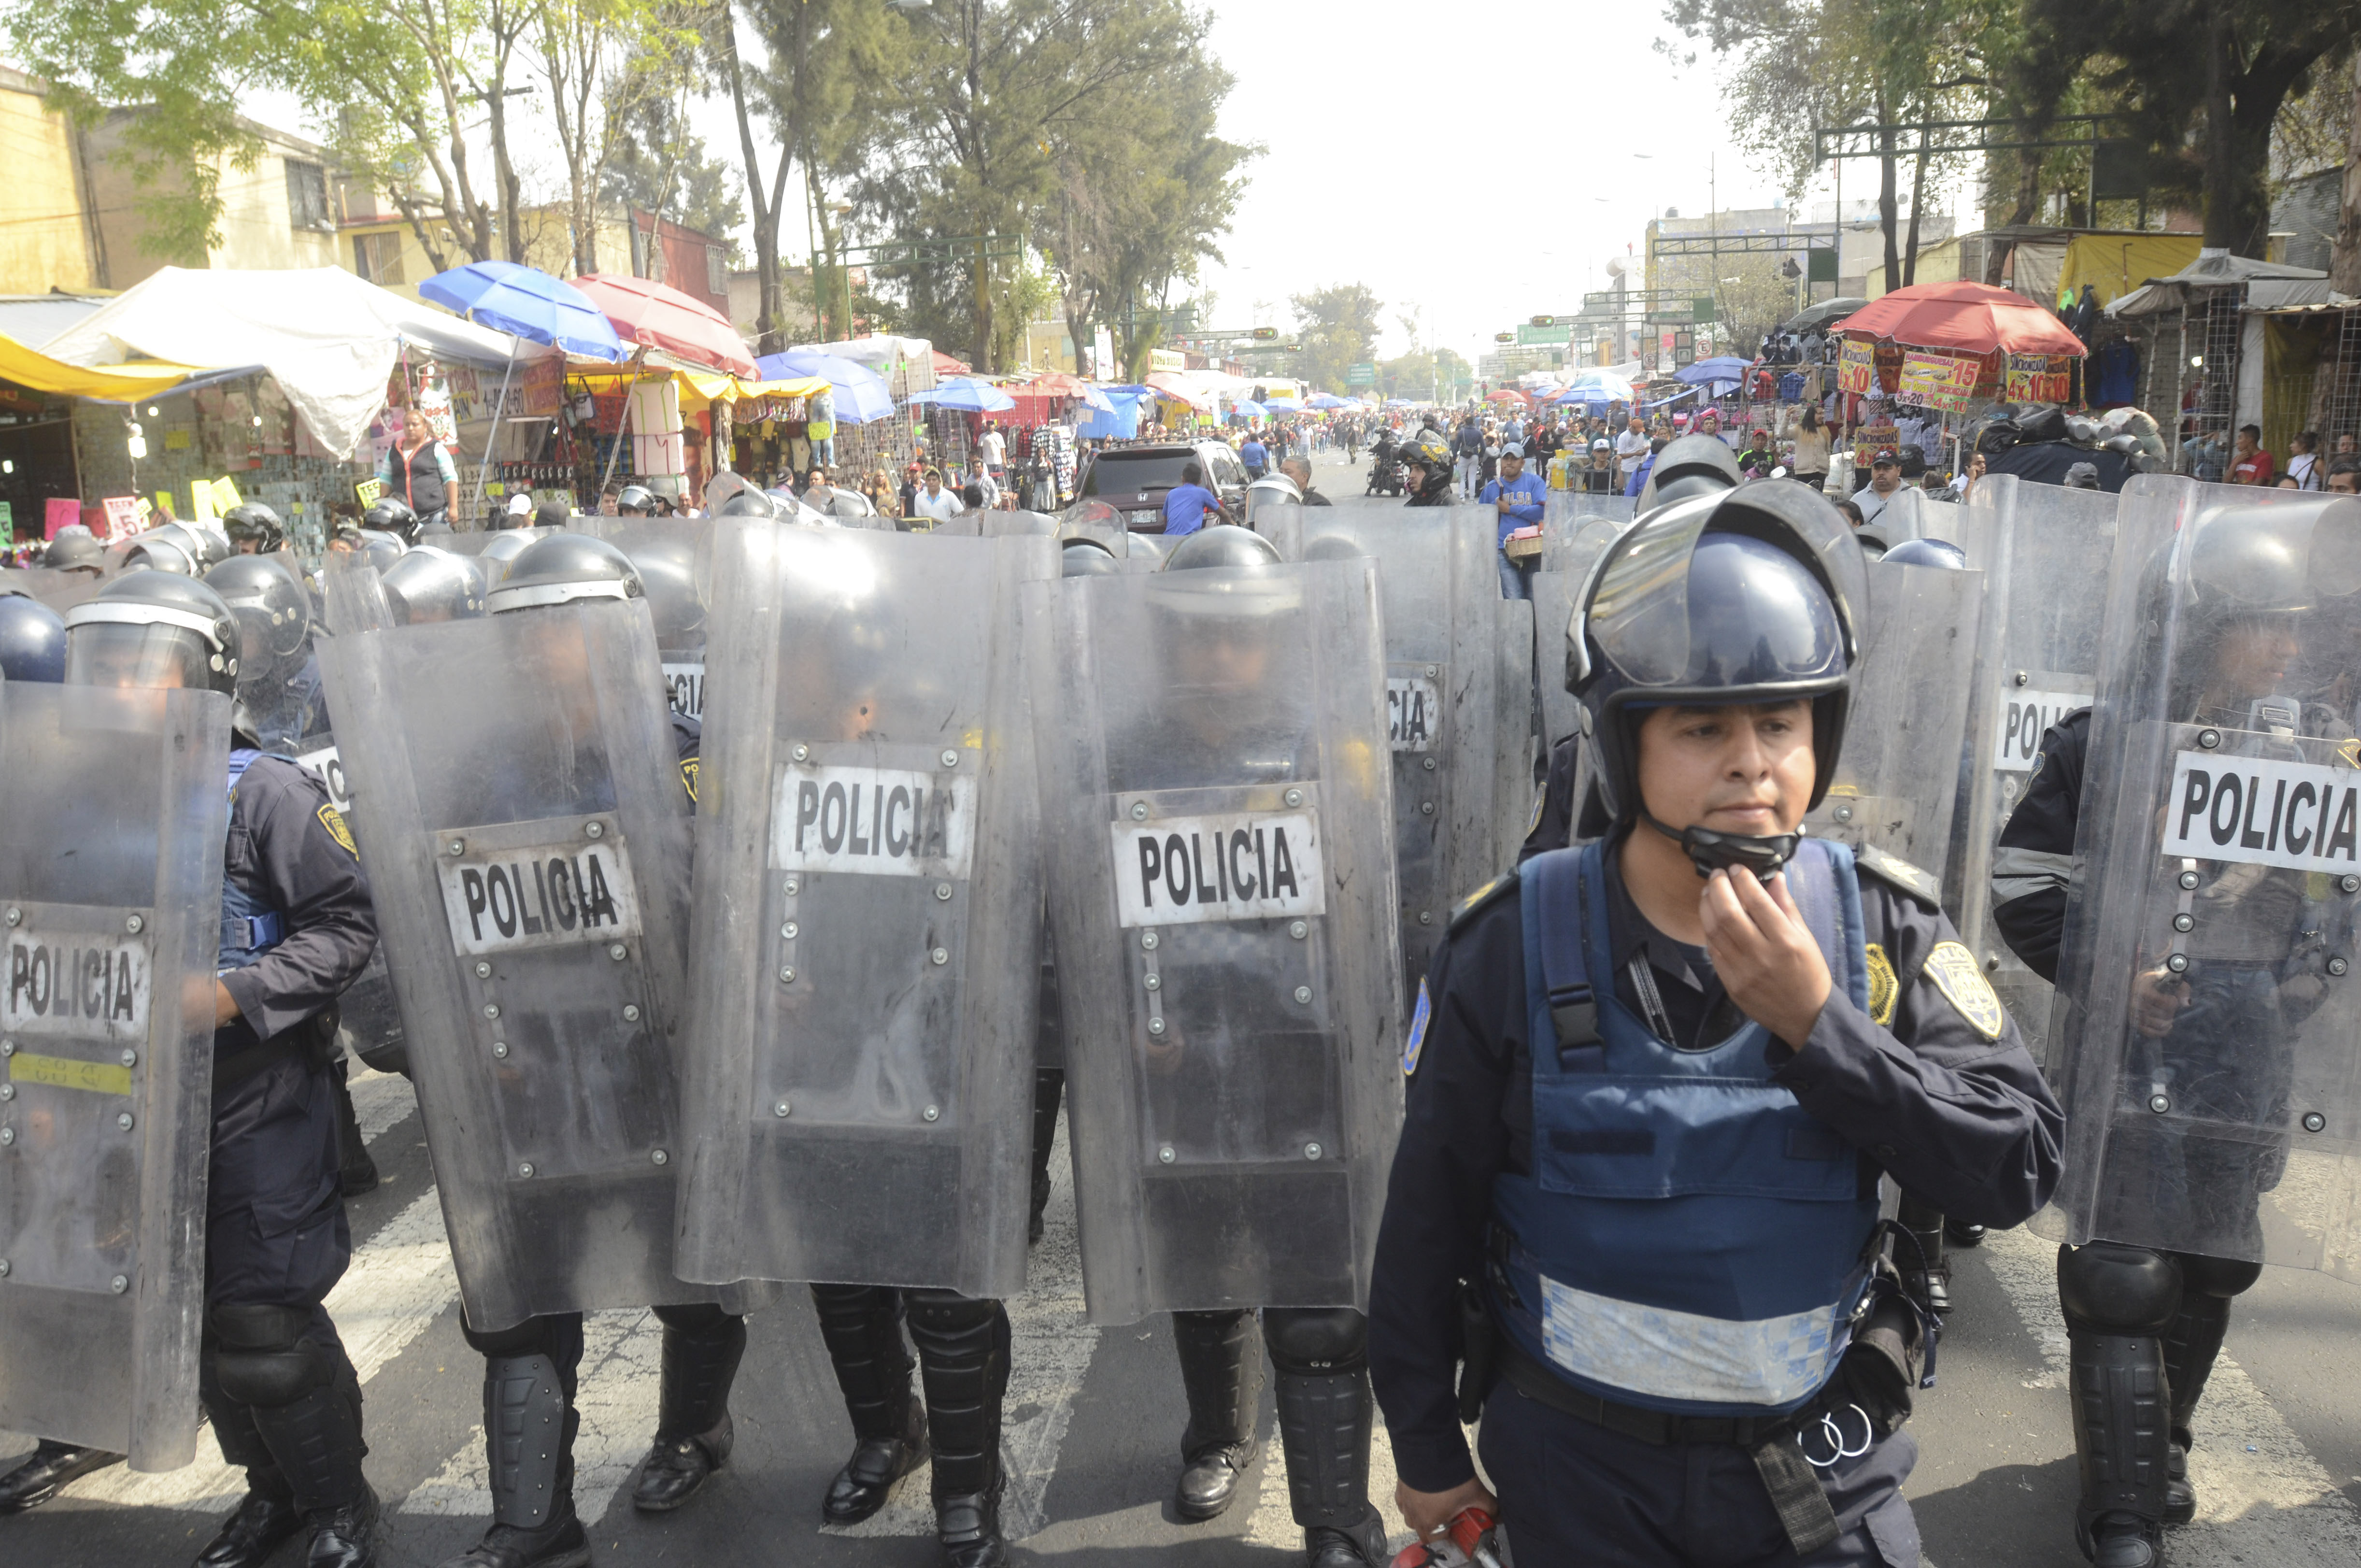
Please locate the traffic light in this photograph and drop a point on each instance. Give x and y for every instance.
(1545, 320)
(1504, 337)
(1266, 334)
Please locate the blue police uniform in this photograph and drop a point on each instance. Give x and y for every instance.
(1661, 1227)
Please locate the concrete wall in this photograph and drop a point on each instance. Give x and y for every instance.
(44, 242)
(257, 225)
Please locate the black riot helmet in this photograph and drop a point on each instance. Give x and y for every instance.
(1938, 553)
(750, 502)
(1425, 450)
(251, 522)
(1752, 595)
(1087, 558)
(667, 565)
(429, 585)
(388, 514)
(499, 553)
(638, 501)
(151, 627)
(1690, 465)
(2238, 578)
(1223, 545)
(75, 548)
(171, 547)
(32, 640)
(274, 614)
(562, 568)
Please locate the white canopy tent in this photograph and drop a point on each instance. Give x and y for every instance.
(328, 339)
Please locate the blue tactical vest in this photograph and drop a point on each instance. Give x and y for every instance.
(249, 927)
(1690, 1239)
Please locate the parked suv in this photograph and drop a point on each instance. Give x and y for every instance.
(1136, 480)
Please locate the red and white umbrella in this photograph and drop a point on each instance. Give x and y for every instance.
(645, 311)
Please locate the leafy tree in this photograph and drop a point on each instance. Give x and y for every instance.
(1456, 376)
(1336, 326)
(661, 166)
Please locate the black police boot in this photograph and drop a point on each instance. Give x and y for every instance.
(1958, 1233)
(48, 1469)
(529, 1426)
(1362, 1546)
(1221, 1371)
(2191, 1346)
(701, 1349)
(355, 1172)
(260, 1524)
(862, 1328)
(963, 1357)
(343, 1536)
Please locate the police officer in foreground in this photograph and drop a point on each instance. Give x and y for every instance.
(2208, 1025)
(1659, 1079)
(1426, 458)
(296, 927)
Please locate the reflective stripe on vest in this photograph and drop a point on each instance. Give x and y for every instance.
(1690, 1239)
(249, 927)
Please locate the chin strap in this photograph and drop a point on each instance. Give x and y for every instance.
(1709, 852)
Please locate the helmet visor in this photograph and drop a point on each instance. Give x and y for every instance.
(118, 653)
(1725, 611)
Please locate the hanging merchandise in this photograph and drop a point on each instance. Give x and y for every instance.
(657, 445)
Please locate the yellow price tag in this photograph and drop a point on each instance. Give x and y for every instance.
(224, 495)
(65, 1072)
(368, 491)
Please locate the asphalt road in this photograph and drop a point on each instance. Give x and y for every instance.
(1094, 1417)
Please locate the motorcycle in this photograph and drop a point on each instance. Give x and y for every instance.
(1385, 475)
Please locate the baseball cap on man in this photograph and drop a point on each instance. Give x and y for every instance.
(1886, 458)
(1513, 449)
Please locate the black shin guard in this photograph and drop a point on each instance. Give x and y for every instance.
(702, 1345)
(862, 1325)
(1326, 1411)
(530, 1419)
(291, 1400)
(1221, 1372)
(2118, 1302)
(964, 1355)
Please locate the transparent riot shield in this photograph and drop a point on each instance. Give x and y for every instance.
(58, 588)
(1281, 522)
(2208, 1025)
(1571, 540)
(1555, 596)
(520, 801)
(1460, 702)
(1897, 777)
(111, 878)
(1221, 888)
(859, 1077)
(2041, 549)
(675, 558)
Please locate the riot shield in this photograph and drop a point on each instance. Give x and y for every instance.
(1575, 536)
(1460, 703)
(58, 588)
(2208, 1024)
(517, 788)
(675, 559)
(1897, 777)
(111, 878)
(1907, 514)
(1223, 893)
(2041, 548)
(1281, 522)
(860, 1063)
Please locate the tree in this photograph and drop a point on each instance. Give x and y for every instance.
(661, 166)
(1337, 326)
(2228, 67)
(1456, 374)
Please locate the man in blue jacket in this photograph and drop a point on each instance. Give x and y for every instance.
(1518, 498)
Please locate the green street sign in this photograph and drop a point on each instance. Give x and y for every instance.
(1361, 374)
(1553, 333)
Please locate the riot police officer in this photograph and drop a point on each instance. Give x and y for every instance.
(534, 1524)
(254, 529)
(1426, 458)
(296, 927)
(2209, 1020)
(1617, 1265)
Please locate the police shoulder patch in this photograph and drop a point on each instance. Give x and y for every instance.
(688, 778)
(1955, 973)
(334, 822)
(1483, 897)
(1897, 872)
(1883, 987)
(1418, 1020)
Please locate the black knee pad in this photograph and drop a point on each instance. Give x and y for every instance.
(946, 1318)
(260, 1357)
(2119, 1290)
(558, 1336)
(2222, 1276)
(1308, 1340)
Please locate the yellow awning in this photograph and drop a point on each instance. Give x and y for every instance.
(117, 383)
(713, 386)
(2115, 264)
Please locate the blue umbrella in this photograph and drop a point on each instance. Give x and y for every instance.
(967, 395)
(1326, 400)
(1246, 408)
(1721, 368)
(860, 393)
(527, 302)
(1282, 406)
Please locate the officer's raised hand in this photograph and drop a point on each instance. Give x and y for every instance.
(1764, 953)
